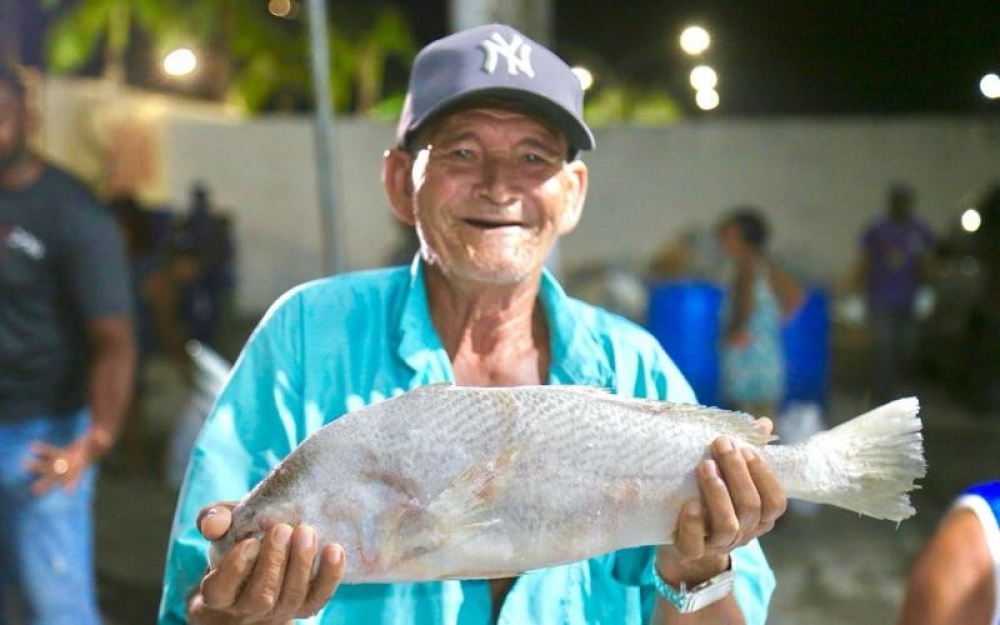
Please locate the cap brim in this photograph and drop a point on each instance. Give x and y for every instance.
(577, 134)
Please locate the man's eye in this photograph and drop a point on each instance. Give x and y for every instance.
(461, 153)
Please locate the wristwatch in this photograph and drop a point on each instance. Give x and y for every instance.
(704, 594)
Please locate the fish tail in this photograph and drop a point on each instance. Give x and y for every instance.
(868, 464)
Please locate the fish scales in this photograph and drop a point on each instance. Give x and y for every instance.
(464, 482)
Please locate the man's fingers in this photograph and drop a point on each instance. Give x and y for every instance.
(773, 501)
(214, 521)
(43, 449)
(298, 572)
(740, 484)
(691, 531)
(722, 522)
(43, 484)
(221, 586)
(260, 595)
(331, 571)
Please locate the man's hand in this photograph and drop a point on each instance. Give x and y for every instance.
(64, 466)
(740, 500)
(265, 581)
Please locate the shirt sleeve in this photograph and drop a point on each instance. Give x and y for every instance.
(254, 423)
(94, 262)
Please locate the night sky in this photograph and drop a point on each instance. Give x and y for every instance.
(773, 57)
(803, 57)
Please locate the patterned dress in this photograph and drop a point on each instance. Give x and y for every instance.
(754, 372)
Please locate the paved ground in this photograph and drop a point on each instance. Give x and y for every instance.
(834, 568)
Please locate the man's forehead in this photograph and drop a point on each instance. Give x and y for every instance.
(493, 115)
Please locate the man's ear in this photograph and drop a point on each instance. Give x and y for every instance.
(397, 179)
(576, 192)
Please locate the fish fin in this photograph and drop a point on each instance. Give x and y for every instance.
(464, 506)
(870, 463)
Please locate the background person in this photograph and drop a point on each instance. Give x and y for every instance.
(956, 578)
(485, 168)
(67, 356)
(758, 297)
(895, 256)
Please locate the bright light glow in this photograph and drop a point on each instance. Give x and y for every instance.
(584, 76)
(704, 77)
(280, 8)
(990, 86)
(695, 40)
(180, 62)
(707, 99)
(971, 220)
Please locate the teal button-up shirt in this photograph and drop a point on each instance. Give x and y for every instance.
(337, 344)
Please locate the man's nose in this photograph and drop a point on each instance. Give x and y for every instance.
(498, 179)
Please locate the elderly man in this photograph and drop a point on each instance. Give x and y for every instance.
(485, 168)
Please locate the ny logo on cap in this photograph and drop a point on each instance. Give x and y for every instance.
(515, 52)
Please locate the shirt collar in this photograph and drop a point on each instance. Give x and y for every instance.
(578, 357)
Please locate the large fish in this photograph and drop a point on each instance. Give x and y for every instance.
(455, 482)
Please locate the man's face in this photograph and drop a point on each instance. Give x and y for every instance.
(13, 128)
(492, 192)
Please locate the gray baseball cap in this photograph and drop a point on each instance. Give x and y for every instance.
(494, 61)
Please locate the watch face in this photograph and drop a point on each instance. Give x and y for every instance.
(711, 591)
(702, 595)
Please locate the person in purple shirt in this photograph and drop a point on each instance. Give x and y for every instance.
(895, 249)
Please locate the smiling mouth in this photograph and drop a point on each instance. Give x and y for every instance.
(491, 225)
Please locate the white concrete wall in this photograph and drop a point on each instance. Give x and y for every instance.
(263, 173)
(820, 180)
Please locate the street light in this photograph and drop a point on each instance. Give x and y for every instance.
(585, 77)
(180, 62)
(286, 9)
(707, 99)
(695, 40)
(990, 86)
(971, 220)
(704, 77)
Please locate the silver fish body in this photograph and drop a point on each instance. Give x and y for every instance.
(452, 482)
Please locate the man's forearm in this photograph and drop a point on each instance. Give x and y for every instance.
(723, 612)
(111, 382)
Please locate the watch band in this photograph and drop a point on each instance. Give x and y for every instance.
(704, 594)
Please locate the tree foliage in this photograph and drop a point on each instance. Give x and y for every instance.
(254, 56)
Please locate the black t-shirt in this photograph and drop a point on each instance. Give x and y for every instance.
(62, 262)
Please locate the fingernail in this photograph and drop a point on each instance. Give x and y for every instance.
(694, 508)
(749, 454)
(282, 534)
(711, 468)
(305, 538)
(335, 555)
(725, 444)
(252, 550)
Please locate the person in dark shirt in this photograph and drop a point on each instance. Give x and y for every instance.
(67, 357)
(895, 253)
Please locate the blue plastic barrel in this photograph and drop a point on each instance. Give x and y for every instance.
(806, 338)
(684, 317)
